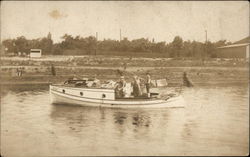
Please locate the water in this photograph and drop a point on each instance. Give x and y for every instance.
(214, 122)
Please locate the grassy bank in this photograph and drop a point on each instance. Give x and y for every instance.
(173, 75)
(39, 70)
(108, 61)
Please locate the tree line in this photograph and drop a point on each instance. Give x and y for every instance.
(91, 46)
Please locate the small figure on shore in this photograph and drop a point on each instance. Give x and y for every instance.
(124, 66)
(136, 86)
(19, 72)
(186, 81)
(120, 72)
(147, 84)
(53, 71)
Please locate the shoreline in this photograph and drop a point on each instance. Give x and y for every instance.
(172, 75)
(39, 71)
(170, 84)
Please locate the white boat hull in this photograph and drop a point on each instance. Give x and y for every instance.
(68, 98)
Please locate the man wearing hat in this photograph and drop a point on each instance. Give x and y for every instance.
(136, 86)
(119, 87)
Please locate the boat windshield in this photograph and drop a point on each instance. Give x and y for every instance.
(83, 83)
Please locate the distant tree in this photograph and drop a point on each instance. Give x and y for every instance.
(49, 36)
(187, 49)
(9, 44)
(46, 44)
(140, 45)
(159, 47)
(49, 45)
(197, 49)
(210, 49)
(56, 49)
(109, 45)
(168, 50)
(21, 44)
(91, 44)
(67, 42)
(125, 45)
(220, 43)
(177, 46)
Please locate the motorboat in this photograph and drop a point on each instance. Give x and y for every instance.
(75, 92)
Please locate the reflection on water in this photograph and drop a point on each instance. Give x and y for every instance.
(214, 122)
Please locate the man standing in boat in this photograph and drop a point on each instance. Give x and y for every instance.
(136, 86)
(120, 87)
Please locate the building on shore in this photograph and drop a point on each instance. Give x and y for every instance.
(237, 50)
(35, 53)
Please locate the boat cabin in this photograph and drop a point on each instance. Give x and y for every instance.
(89, 89)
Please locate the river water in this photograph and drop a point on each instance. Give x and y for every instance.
(215, 121)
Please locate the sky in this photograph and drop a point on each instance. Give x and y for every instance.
(161, 20)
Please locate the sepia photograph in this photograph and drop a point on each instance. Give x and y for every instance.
(124, 78)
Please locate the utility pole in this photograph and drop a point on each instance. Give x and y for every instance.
(206, 35)
(205, 48)
(96, 36)
(120, 34)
